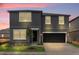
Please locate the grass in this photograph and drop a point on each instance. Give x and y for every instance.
(7, 48)
(75, 45)
(20, 48)
(35, 49)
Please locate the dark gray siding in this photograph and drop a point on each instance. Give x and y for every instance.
(11, 36)
(14, 19)
(36, 20)
(55, 27)
(15, 24)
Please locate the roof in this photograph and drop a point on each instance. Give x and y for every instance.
(38, 11)
(74, 19)
(55, 14)
(24, 10)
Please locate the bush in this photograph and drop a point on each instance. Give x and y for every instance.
(74, 43)
(35, 49)
(6, 47)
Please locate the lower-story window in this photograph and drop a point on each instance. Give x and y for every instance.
(19, 34)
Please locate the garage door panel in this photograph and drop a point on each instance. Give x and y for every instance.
(54, 37)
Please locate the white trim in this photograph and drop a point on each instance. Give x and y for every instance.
(47, 20)
(61, 20)
(58, 32)
(34, 28)
(66, 38)
(25, 17)
(54, 32)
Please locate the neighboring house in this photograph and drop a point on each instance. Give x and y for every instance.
(74, 29)
(4, 35)
(45, 27)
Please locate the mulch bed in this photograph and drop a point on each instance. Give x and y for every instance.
(75, 42)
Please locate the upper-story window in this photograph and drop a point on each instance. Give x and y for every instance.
(47, 19)
(61, 20)
(25, 17)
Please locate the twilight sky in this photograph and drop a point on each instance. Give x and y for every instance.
(61, 8)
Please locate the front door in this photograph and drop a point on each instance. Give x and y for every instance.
(35, 35)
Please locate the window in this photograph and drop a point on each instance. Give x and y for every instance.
(47, 19)
(61, 20)
(19, 34)
(25, 17)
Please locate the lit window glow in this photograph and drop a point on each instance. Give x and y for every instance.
(47, 19)
(25, 17)
(19, 34)
(61, 20)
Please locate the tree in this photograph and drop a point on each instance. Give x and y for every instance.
(29, 35)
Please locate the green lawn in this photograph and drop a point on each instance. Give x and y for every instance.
(7, 48)
(35, 49)
(77, 46)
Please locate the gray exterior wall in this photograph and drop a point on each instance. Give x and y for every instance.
(74, 30)
(14, 20)
(15, 24)
(74, 25)
(55, 27)
(38, 21)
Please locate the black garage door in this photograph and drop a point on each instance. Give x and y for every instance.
(54, 37)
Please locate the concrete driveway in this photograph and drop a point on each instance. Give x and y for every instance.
(60, 49)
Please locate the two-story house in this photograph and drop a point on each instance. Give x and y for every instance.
(44, 27)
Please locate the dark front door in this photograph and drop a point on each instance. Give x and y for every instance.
(34, 36)
(54, 37)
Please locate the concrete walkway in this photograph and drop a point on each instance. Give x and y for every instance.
(61, 49)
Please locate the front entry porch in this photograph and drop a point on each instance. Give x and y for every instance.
(35, 36)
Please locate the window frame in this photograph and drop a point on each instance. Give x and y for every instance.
(48, 19)
(19, 34)
(25, 16)
(61, 20)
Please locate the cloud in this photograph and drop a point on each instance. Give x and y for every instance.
(4, 26)
(9, 5)
(4, 15)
